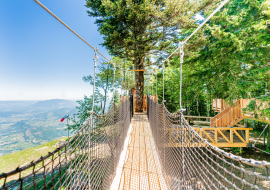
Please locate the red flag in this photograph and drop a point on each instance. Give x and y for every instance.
(66, 116)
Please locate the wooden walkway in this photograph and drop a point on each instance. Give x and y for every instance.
(141, 168)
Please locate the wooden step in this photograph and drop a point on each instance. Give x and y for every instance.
(202, 122)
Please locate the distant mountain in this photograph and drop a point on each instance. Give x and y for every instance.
(6, 106)
(54, 104)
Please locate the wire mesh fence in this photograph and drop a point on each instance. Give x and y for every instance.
(87, 161)
(191, 162)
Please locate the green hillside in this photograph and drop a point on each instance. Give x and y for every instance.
(10, 162)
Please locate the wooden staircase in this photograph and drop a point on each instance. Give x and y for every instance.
(229, 115)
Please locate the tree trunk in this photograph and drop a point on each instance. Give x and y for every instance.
(139, 79)
(198, 108)
(268, 80)
(268, 134)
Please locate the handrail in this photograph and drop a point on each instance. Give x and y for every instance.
(236, 105)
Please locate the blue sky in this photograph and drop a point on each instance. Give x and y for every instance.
(39, 58)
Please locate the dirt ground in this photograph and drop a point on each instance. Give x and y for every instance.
(249, 152)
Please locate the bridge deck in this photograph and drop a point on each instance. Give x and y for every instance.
(141, 168)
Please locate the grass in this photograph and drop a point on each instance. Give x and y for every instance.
(10, 162)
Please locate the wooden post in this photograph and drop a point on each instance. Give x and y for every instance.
(145, 103)
(264, 138)
(247, 136)
(185, 135)
(134, 104)
(232, 114)
(134, 99)
(216, 135)
(221, 105)
(231, 135)
(268, 137)
(216, 105)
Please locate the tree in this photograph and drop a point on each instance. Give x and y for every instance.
(104, 81)
(227, 59)
(82, 115)
(235, 57)
(139, 30)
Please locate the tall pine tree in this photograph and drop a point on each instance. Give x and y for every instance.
(140, 30)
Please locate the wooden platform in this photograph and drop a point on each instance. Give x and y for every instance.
(217, 136)
(141, 168)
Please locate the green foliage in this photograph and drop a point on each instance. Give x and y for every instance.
(260, 109)
(82, 115)
(194, 98)
(104, 81)
(135, 29)
(237, 150)
(234, 61)
(228, 59)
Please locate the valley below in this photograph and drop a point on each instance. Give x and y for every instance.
(27, 124)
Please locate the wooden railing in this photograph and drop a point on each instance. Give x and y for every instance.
(220, 137)
(218, 105)
(231, 115)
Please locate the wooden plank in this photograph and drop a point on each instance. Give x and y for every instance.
(199, 117)
(201, 122)
(216, 139)
(231, 136)
(142, 169)
(230, 145)
(213, 128)
(139, 70)
(240, 125)
(204, 144)
(230, 142)
(247, 136)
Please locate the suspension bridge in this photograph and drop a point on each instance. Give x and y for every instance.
(125, 150)
(120, 150)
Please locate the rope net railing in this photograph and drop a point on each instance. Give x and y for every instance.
(190, 162)
(87, 161)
